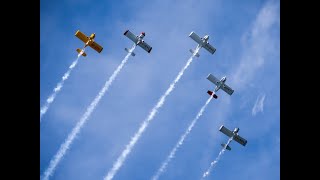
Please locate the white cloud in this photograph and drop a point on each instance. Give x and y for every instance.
(259, 44)
(258, 106)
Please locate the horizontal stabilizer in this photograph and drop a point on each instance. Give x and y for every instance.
(226, 147)
(132, 53)
(81, 52)
(214, 95)
(197, 54)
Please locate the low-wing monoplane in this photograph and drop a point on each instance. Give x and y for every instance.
(88, 41)
(220, 84)
(202, 42)
(234, 135)
(138, 40)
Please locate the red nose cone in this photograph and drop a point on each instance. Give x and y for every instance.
(143, 33)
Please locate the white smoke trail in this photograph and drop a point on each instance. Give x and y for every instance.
(146, 122)
(213, 163)
(66, 145)
(180, 142)
(56, 90)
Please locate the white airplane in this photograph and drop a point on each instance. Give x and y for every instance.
(138, 40)
(220, 84)
(202, 42)
(234, 135)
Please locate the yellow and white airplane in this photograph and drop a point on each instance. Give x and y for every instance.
(89, 41)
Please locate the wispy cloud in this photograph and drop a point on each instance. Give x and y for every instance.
(258, 106)
(258, 45)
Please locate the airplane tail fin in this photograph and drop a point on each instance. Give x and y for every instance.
(214, 95)
(227, 147)
(132, 53)
(192, 51)
(81, 52)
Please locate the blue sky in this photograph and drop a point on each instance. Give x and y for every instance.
(246, 36)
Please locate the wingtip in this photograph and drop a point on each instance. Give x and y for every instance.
(220, 127)
(208, 75)
(77, 32)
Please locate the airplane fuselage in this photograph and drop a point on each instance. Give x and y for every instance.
(140, 37)
(218, 87)
(204, 41)
(220, 83)
(235, 131)
(90, 40)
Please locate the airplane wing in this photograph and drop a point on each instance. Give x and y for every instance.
(226, 131)
(195, 37)
(96, 47)
(131, 36)
(81, 36)
(240, 140)
(227, 89)
(145, 46)
(213, 79)
(209, 48)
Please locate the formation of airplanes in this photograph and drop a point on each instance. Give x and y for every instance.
(202, 42)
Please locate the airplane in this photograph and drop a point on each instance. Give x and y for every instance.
(138, 40)
(89, 41)
(220, 84)
(202, 42)
(234, 135)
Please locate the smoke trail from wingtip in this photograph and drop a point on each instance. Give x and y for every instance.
(213, 163)
(180, 142)
(146, 122)
(66, 145)
(57, 89)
